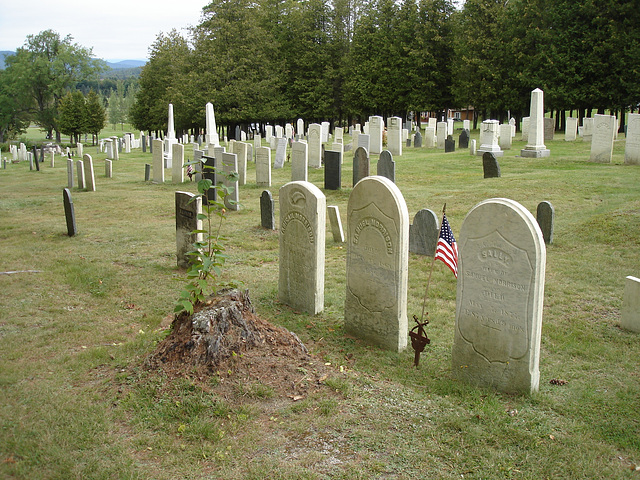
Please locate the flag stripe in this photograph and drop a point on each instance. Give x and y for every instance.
(447, 248)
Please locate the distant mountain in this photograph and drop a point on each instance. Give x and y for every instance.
(3, 54)
(126, 64)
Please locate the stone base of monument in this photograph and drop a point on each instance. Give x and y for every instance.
(535, 153)
(226, 341)
(491, 149)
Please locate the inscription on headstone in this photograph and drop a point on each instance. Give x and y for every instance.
(188, 207)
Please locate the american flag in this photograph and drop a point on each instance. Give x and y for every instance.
(447, 248)
(189, 171)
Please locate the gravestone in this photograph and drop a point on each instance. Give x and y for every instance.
(230, 164)
(315, 146)
(526, 121)
(632, 142)
(336, 224)
(489, 138)
(69, 173)
(535, 147)
(364, 141)
(386, 166)
(432, 122)
(89, 174)
(360, 164)
(257, 142)
(430, 137)
(466, 125)
(35, 158)
(197, 166)
(143, 138)
(602, 139)
(570, 129)
(490, 165)
(499, 301)
(281, 153)
(267, 210)
(441, 134)
(147, 172)
(158, 161)
(177, 163)
(69, 212)
(108, 168)
(463, 139)
(545, 216)
(417, 140)
(549, 128)
(300, 127)
(423, 233)
(325, 131)
(332, 170)
(377, 264)
(376, 127)
(587, 129)
(504, 136)
(240, 150)
(302, 247)
(630, 318)
(80, 172)
(299, 161)
(263, 166)
(449, 144)
(188, 207)
(209, 169)
(394, 136)
(449, 126)
(472, 147)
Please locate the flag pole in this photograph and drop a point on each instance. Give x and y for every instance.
(426, 292)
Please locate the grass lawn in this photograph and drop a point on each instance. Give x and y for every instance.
(75, 402)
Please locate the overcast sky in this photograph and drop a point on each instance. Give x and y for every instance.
(115, 29)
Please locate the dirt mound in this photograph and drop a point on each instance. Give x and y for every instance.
(225, 340)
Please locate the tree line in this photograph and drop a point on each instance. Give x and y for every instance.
(344, 60)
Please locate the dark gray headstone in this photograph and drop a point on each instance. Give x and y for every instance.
(545, 215)
(490, 165)
(417, 140)
(408, 143)
(332, 170)
(188, 206)
(449, 144)
(386, 166)
(209, 171)
(151, 144)
(68, 212)
(549, 128)
(147, 171)
(35, 158)
(237, 137)
(463, 139)
(267, 215)
(360, 164)
(119, 145)
(144, 143)
(423, 233)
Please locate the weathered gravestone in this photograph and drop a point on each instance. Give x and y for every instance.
(108, 168)
(449, 144)
(332, 170)
(209, 170)
(336, 224)
(394, 135)
(177, 163)
(570, 129)
(240, 150)
(89, 174)
(441, 134)
(602, 139)
(302, 246)
(69, 212)
(69, 173)
(490, 165)
(377, 264)
(263, 166)
(430, 137)
(281, 153)
(632, 142)
(386, 166)
(147, 172)
(417, 140)
(630, 319)
(299, 161)
(188, 207)
(158, 161)
(364, 141)
(463, 139)
(545, 217)
(489, 138)
(504, 136)
(423, 233)
(197, 166)
(230, 165)
(361, 165)
(35, 158)
(80, 174)
(267, 210)
(315, 145)
(376, 127)
(549, 128)
(501, 271)
(472, 147)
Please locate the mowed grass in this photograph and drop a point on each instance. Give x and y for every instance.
(75, 402)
